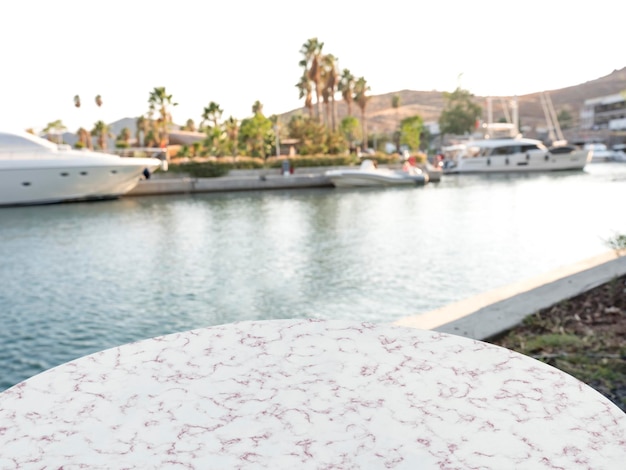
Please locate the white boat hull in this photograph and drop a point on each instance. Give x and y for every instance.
(50, 185)
(70, 175)
(368, 174)
(520, 162)
(359, 178)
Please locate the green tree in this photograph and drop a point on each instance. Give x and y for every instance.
(361, 88)
(346, 88)
(565, 119)
(257, 107)
(84, 139)
(395, 104)
(351, 129)
(123, 139)
(214, 142)
(142, 126)
(161, 101)
(410, 132)
(190, 125)
(211, 113)
(330, 80)
(312, 52)
(231, 126)
(56, 128)
(306, 92)
(311, 134)
(102, 132)
(256, 134)
(459, 114)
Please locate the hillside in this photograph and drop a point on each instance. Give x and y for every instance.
(383, 118)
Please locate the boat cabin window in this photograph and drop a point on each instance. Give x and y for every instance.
(514, 149)
(529, 147)
(506, 150)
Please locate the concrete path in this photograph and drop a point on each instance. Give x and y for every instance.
(186, 185)
(246, 180)
(489, 314)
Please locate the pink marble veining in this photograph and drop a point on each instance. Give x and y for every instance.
(308, 394)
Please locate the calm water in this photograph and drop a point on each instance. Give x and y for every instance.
(79, 278)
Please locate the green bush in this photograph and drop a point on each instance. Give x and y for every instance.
(305, 161)
(201, 169)
(221, 166)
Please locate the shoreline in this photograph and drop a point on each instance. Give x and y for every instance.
(494, 312)
(245, 180)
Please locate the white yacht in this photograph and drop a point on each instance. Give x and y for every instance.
(502, 149)
(511, 156)
(34, 170)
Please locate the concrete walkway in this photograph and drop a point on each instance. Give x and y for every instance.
(246, 180)
(187, 185)
(489, 314)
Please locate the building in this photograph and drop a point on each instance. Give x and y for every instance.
(604, 113)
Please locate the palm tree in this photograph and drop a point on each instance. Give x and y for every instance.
(331, 82)
(257, 108)
(84, 138)
(141, 130)
(125, 136)
(360, 97)
(326, 101)
(346, 87)
(232, 132)
(102, 132)
(212, 113)
(161, 100)
(304, 85)
(312, 51)
(190, 125)
(395, 104)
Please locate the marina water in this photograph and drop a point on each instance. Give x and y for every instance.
(80, 278)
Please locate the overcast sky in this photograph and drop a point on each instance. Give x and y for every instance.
(235, 52)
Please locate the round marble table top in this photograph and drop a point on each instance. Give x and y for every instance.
(308, 394)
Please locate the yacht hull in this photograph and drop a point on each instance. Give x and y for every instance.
(522, 162)
(25, 183)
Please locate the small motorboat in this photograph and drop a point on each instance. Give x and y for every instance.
(368, 174)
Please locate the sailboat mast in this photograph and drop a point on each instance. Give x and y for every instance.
(557, 126)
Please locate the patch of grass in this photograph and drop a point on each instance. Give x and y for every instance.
(553, 341)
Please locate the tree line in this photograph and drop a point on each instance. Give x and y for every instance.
(317, 131)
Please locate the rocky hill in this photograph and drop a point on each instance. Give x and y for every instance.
(383, 118)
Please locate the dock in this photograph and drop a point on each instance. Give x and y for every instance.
(242, 180)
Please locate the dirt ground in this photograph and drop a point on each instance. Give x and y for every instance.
(584, 336)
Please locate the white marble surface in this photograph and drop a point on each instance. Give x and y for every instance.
(308, 394)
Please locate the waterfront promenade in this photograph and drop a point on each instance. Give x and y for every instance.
(243, 180)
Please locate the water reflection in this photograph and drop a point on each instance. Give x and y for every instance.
(82, 277)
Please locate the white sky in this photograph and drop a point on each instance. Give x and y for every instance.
(235, 52)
